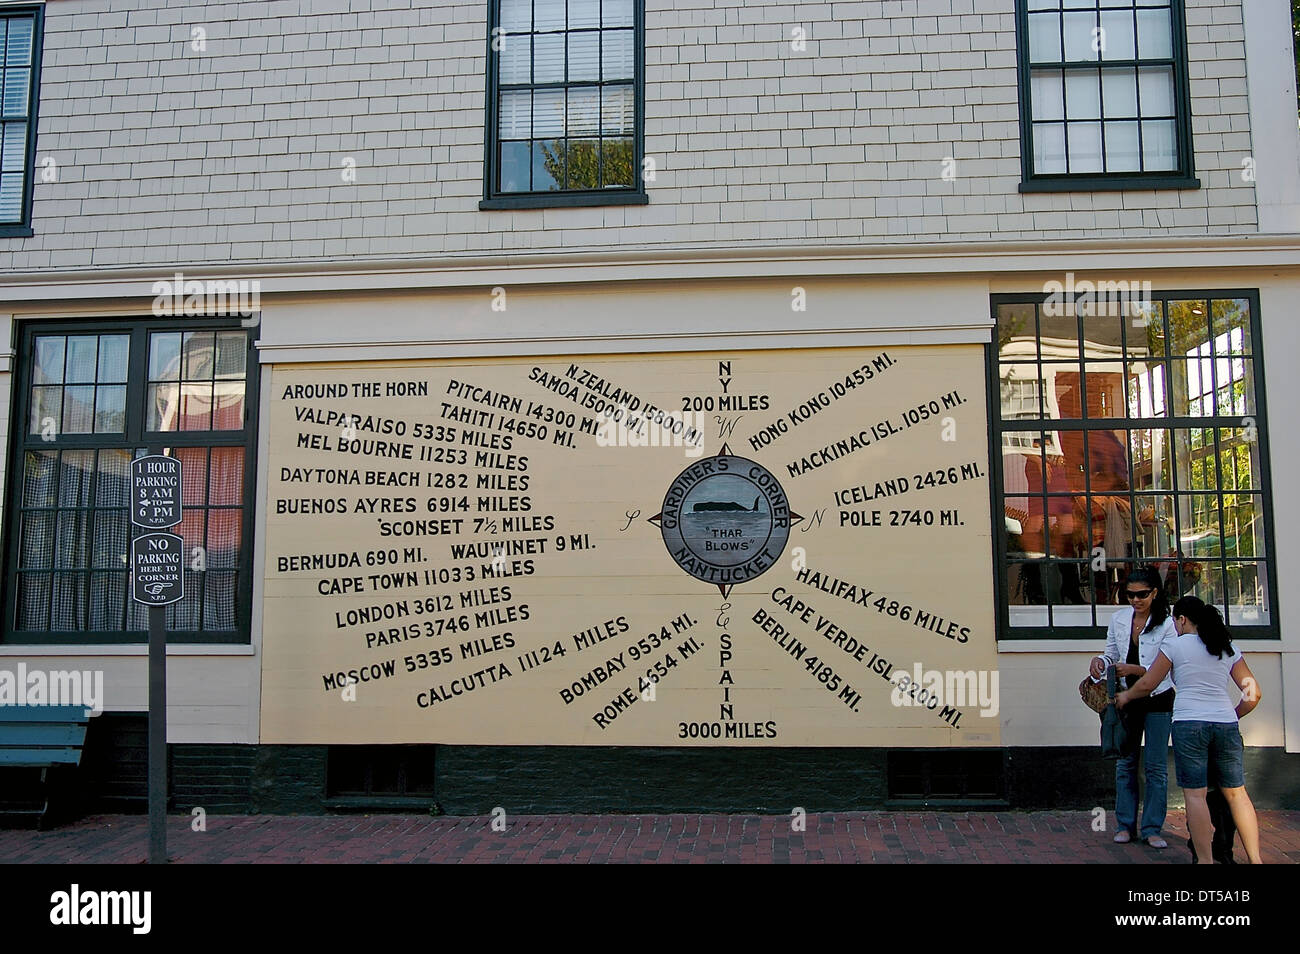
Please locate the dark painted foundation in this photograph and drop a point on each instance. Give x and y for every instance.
(473, 780)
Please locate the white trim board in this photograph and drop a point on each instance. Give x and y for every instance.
(605, 266)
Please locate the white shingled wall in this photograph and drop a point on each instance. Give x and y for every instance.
(168, 155)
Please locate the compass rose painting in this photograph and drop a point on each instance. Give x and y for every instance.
(712, 529)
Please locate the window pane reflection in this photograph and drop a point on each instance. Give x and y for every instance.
(1239, 458)
(1062, 391)
(1231, 323)
(1245, 593)
(1146, 386)
(1103, 331)
(1105, 386)
(1017, 332)
(1145, 333)
(1189, 327)
(1151, 454)
(1021, 392)
(1194, 451)
(1058, 333)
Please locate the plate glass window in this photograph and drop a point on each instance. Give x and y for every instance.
(1105, 85)
(566, 78)
(1130, 434)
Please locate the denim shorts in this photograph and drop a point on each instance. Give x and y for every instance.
(1208, 752)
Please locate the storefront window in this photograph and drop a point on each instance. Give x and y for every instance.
(96, 399)
(1146, 448)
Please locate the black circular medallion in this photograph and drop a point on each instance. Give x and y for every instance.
(725, 520)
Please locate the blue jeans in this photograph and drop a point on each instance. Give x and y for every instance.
(1155, 727)
(1208, 750)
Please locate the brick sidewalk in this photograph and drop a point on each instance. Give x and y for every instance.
(881, 837)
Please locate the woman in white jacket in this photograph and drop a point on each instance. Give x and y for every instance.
(1133, 640)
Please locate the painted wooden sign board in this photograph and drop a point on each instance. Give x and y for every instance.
(748, 548)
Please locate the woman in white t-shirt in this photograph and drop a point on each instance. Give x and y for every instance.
(1206, 737)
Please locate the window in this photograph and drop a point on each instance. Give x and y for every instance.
(1022, 398)
(92, 397)
(564, 104)
(379, 775)
(1127, 434)
(946, 776)
(1103, 95)
(20, 67)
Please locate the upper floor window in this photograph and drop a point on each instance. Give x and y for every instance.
(564, 95)
(20, 44)
(1128, 434)
(1103, 95)
(91, 398)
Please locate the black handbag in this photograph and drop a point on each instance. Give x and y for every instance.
(1114, 734)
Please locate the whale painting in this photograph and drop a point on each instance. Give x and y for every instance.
(720, 525)
(725, 507)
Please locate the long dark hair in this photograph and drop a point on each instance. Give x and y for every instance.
(1148, 577)
(1209, 625)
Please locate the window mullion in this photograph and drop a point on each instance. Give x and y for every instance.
(1065, 124)
(600, 104)
(89, 512)
(136, 387)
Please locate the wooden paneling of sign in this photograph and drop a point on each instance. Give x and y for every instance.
(765, 548)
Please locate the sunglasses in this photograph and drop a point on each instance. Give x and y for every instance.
(1138, 594)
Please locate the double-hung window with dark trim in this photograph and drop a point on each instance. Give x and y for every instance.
(91, 397)
(564, 104)
(20, 68)
(1104, 101)
(1129, 434)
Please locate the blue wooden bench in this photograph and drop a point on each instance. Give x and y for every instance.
(42, 738)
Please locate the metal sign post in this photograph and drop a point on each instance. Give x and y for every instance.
(157, 580)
